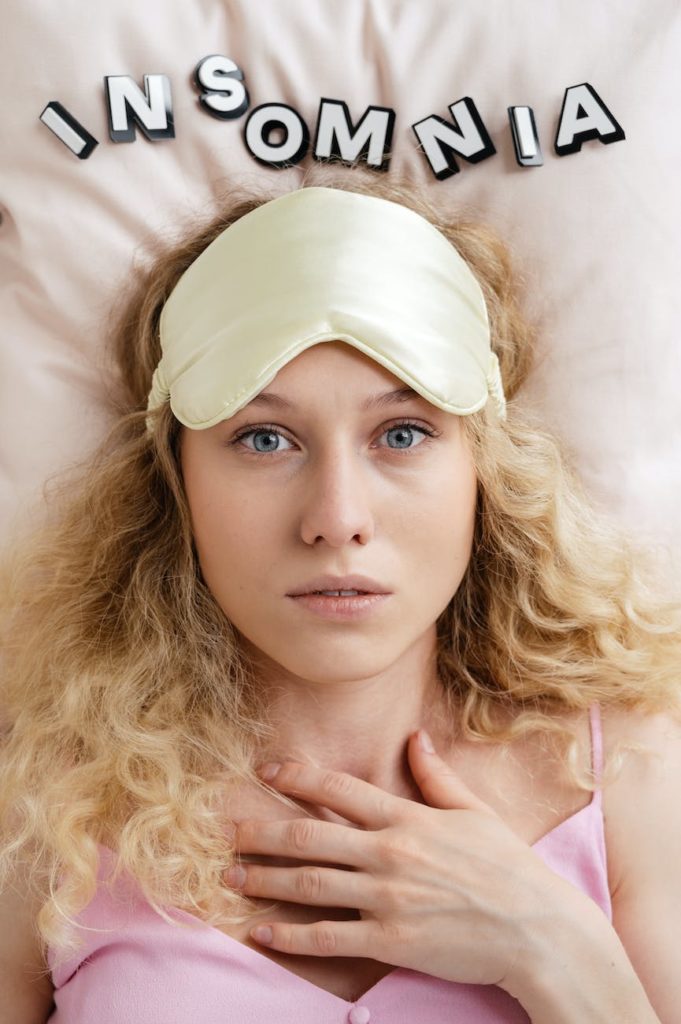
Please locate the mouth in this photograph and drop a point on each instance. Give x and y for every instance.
(347, 586)
(337, 593)
(343, 605)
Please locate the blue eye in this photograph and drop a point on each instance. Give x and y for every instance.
(405, 430)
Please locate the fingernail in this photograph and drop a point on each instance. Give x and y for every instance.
(269, 770)
(263, 933)
(236, 875)
(426, 742)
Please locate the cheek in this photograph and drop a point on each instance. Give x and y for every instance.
(237, 544)
(464, 501)
(448, 525)
(222, 525)
(227, 538)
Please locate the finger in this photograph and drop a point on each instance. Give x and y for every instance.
(308, 839)
(349, 796)
(439, 783)
(310, 885)
(323, 938)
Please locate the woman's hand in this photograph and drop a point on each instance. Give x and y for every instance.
(446, 889)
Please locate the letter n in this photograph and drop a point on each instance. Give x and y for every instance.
(467, 137)
(151, 110)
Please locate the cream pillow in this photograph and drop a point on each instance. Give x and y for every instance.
(595, 231)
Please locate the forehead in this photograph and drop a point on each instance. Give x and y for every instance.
(272, 400)
(334, 367)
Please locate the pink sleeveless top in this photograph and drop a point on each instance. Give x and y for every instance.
(137, 969)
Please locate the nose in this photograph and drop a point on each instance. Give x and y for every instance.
(337, 506)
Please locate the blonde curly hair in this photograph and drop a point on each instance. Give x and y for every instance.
(126, 699)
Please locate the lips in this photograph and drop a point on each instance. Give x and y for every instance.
(340, 593)
(362, 584)
(355, 609)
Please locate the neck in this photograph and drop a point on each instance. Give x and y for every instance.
(362, 725)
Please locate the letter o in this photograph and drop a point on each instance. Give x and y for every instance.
(264, 119)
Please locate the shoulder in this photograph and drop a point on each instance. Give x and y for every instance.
(641, 801)
(643, 845)
(25, 980)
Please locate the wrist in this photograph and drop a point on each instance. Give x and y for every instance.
(574, 968)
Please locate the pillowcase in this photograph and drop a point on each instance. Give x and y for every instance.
(594, 231)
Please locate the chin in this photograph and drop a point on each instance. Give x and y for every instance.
(337, 664)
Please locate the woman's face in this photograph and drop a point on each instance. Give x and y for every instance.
(330, 485)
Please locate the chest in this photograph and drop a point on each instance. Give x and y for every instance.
(529, 797)
(348, 978)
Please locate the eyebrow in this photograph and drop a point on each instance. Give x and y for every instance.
(378, 401)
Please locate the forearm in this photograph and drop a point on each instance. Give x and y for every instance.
(579, 973)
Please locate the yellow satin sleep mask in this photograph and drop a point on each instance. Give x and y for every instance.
(324, 264)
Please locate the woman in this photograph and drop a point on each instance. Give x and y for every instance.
(314, 405)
